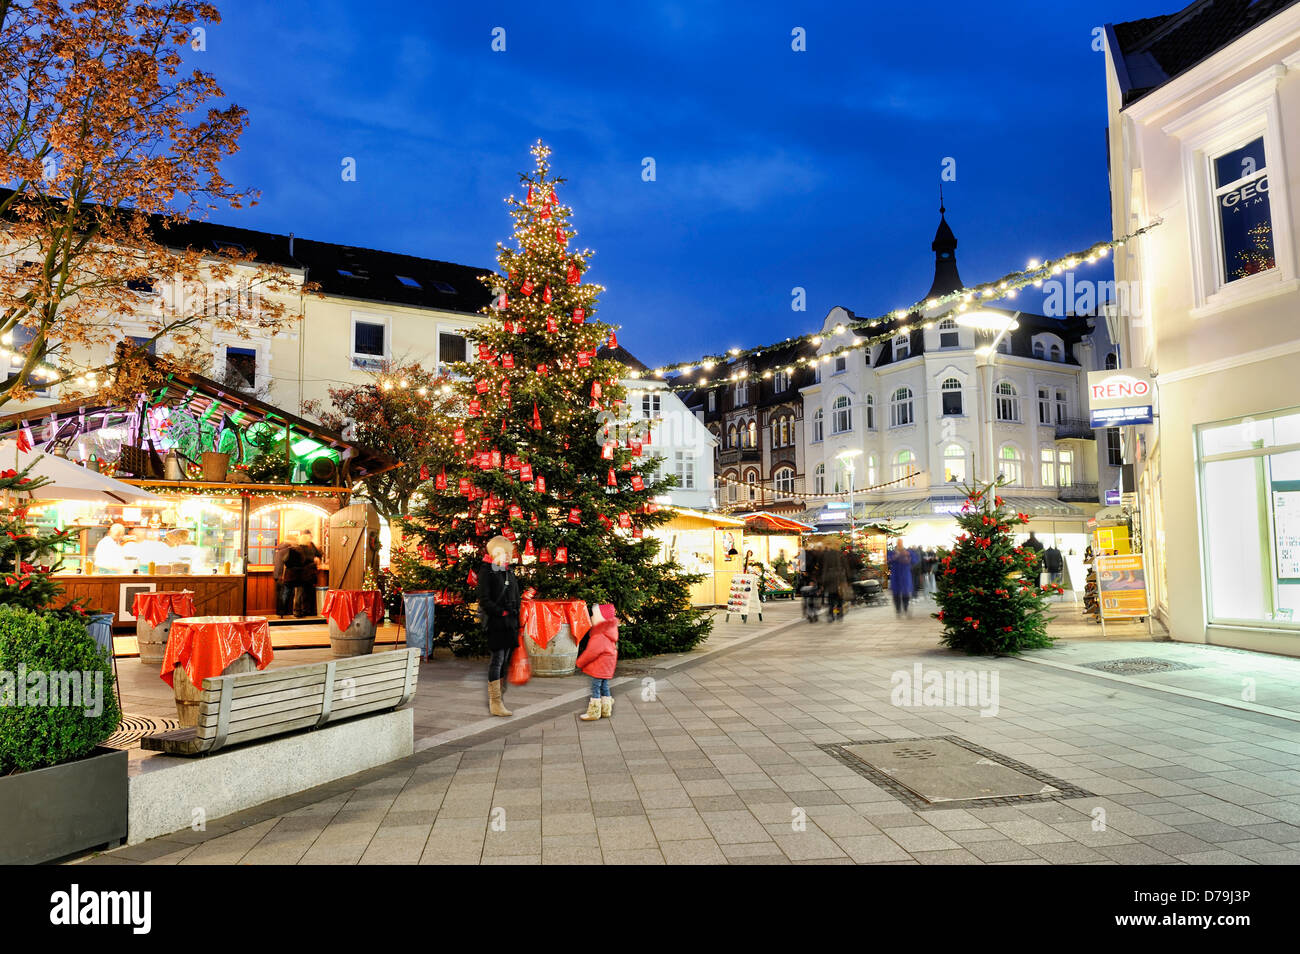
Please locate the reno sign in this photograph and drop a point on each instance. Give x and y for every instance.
(1116, 398)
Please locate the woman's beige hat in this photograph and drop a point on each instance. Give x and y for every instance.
(500, 543)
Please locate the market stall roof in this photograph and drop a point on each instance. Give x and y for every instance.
(716, 519)
(770, 521)
(69, 481)
(203, 397)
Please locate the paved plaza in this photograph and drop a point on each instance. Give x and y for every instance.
(720, 757)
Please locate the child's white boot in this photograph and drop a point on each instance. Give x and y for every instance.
(593, 711)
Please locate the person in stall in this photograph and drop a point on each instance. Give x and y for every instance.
(110, 552)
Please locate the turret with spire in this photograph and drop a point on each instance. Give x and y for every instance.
(946, 278)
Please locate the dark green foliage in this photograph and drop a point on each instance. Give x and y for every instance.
(988, 592)
(24, 549)
(36, 736)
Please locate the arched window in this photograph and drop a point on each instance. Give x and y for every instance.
(1010, 464)
(954, 463)
(842, 420)
(1057, 353)
(732, 489)
(784, 481)
(900, 408)
(817, 425)
(751, 434)
(1112, 361)
(1007, 402)
(732, 439)
(904, 463)
(1004, 345)
(819, 479)
(871, 412)
(948, 335)
(951, 396)
(873, 474)
(1062, 407)
(902, 347)
(1038, 349)
(752, 480)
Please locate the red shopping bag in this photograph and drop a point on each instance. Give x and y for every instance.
(520, 669)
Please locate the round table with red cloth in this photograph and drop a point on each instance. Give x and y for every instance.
(343, 606)
(540, 620)
(205, 645)
(154, 607)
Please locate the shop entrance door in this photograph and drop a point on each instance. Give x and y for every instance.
(353, 546)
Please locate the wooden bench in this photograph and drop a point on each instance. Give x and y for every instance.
(255, 705)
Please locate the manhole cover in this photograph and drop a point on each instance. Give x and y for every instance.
(938, 772)
(1138, 666)
(133, 728)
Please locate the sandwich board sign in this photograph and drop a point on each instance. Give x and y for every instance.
(743, 597)
(1121, 397)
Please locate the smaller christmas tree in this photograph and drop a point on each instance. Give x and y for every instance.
(28, 555)
(990, 601)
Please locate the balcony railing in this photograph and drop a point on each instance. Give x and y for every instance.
(1083, 492)
(1073, 427)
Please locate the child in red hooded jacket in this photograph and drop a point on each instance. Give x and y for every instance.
(598, 660)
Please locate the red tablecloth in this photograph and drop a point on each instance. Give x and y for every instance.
(540, 620)
(154, 607)
(206, 645)
(342, 606)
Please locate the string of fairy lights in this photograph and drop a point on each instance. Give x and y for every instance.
(911, 475)
(1035, 273)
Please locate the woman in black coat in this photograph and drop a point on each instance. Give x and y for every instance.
(498, 609)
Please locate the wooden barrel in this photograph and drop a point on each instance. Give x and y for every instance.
(357, 640)
(188, 696)
(153, 639)
(559, 658)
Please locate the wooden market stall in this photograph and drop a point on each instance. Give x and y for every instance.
(197, 445)
(706, 543)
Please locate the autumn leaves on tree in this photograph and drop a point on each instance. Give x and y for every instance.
(544, 450)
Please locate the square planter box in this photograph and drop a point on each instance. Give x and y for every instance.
(65, 809)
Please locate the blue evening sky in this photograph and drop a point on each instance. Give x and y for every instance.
(775, 168)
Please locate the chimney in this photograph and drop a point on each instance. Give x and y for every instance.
(291, 245)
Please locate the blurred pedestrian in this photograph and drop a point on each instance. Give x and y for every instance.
(835, 580)
(900, 577)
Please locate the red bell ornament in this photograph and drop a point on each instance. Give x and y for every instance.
(613, 340)
(508, 361)
(579, 315)
(516, 513)
(440, 482)
(540, 484)
(526, 472)
(528, 548)
(561, 237)
(583, 360)
(424, 471)
(472, 579)
(544, 556)
(575, 516)
(529, 200)
(625, 520)
(595, 389)
(458, 436)
(637, 482)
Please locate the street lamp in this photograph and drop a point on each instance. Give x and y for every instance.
(990, 321)
(845, 457)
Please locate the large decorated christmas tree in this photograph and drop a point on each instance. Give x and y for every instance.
(545, 451)
(990, 601)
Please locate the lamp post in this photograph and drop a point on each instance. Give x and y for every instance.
(845, 457)
(984, 320)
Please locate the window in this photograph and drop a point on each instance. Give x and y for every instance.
(902, 347)
(1047, 460)
(713, 402)
(1009, 464)
(1044, 406)
(948, 335)
(1008, 405)
(1245, 222)
(369, 342)
(1062, 407)
(841, 363)
(904, 464)
(241, 368)
(450, 347)
(1065, 468)
(1114, 450)
(1038, 349)
(685, 467)
(444, 287)
(263, 536)
(951, 391)
(650, 406)
(954, 464)
(819, 479)
(1004, 346)
(751, 480)
(408, 281)
(817, 425)
(1112, 361)
(751, 434)
(147, 342)
(1250, 487)
(872, 470)
(1057, 353)
(784, 481)
(741, 396)
(733, 489)
(843, 414)
(900, 408)
(780, 382)
(733, 437)
(871, 412)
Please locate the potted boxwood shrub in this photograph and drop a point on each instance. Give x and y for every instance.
(56, 706)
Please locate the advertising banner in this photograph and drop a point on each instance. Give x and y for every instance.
(1121, 586)
(1121, 397)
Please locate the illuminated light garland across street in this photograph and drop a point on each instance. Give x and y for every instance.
(1006, 287)
(909, 476)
